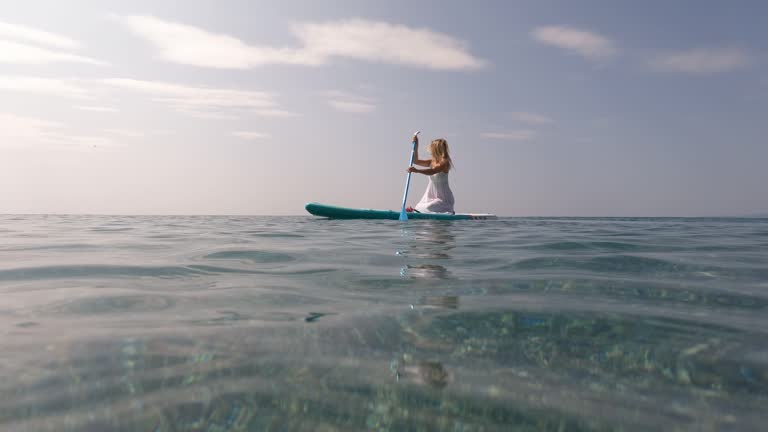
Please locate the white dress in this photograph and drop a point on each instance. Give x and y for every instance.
(438, 198)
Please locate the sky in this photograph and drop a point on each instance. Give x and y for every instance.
(550, 108)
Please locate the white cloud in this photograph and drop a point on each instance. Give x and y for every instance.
(207, 115)
(13, 52)
(204, 102)
(250, 135)
(587, 44)
(385, 43)
(25, 132)
(703, 60)
(200, 102)
(127, 133)
(320, 42)
(531, 118)
(271, 112)
(516, 135)
(29, 34)
(49, 86)
(24, 127)
(68, 141)
(101, 109)
(352, 107)
(181, 43)
(195, 96)
(349, 102)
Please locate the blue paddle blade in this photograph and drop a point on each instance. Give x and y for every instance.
(403, 215)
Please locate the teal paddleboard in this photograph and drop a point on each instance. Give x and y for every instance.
(334, 212)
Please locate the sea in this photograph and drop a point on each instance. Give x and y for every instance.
(255, 323)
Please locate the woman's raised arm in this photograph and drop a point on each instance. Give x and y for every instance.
(416, 160)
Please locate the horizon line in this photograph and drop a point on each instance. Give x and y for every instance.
(755, 216)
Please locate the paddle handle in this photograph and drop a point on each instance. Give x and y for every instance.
(403, 214)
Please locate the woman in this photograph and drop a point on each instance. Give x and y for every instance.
(438, 197)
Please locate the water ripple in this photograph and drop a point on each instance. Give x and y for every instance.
(251, 255)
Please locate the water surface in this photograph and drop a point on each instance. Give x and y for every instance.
(294, 323)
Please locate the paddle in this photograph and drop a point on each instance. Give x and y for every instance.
(403, 215)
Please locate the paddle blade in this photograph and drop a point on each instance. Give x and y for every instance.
(403, 215)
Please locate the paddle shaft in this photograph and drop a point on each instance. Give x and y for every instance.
(403, 214)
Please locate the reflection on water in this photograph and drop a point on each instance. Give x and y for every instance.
(425, 271)
(427, 245)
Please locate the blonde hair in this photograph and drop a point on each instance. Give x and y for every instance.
(439, 150)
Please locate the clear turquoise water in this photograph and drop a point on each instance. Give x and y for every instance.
(294, 323)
